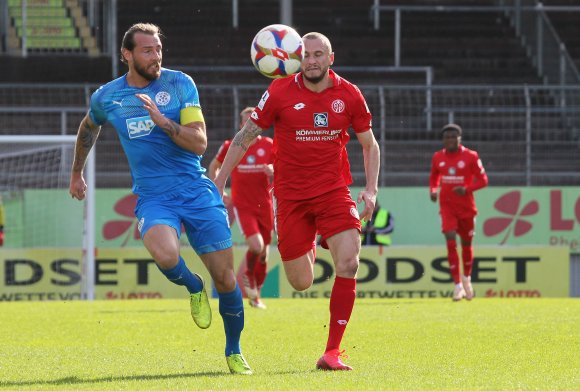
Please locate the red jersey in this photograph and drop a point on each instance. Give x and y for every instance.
(250, 185)
(460, 168)
(311, 133)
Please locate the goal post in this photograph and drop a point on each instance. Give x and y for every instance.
(40, 165)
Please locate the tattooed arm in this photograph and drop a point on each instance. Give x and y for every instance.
(242, 140)
(191, 136)
(86, 137)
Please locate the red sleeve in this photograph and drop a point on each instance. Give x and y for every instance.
(221, 155)
(266, 110)
(361, 115)
(434, 177)
(480, 179)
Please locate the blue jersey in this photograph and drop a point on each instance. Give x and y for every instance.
(158, 165)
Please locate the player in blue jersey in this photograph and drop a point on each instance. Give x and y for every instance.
(157, 115)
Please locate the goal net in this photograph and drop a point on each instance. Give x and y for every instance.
(49, 238)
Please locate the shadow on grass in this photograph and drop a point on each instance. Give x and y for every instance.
(140, 311)
(384, 302)
(72, 380)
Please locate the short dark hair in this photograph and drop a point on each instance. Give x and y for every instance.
(129, 37)
(455, 127)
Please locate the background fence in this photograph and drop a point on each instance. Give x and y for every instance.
(526, 135)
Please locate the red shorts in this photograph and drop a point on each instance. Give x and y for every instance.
(463, 224)
(298, 222)
(259, 221)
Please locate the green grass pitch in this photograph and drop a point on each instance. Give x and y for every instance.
(422, 344)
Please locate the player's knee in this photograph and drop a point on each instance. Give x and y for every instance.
(166, 261)
(347, 267)
(450, 235)
(255, 249)
(225, 281)
(300, 284)
(256, 244)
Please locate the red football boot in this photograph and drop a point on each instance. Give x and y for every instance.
(330, 361)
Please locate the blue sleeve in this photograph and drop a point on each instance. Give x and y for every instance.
(189, 94)
(96, 110)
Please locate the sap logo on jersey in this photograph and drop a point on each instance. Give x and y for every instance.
(140, 126)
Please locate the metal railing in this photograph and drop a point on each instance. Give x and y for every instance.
(524, 134)
(538, 35)
(549, 54)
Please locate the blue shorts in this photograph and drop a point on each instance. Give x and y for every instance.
(198, 207)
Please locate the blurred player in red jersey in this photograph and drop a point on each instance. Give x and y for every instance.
(458, 172)
(311, 113)
(252, 205)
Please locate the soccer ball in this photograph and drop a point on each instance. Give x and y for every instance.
(277, 51)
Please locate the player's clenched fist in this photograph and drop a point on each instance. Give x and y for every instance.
(78, 187)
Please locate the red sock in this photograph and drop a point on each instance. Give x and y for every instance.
(260, 272)
(453, 259)
(341, 304)
(251, 260)
(467, 257)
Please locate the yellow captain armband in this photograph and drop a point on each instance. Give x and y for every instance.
(190, 114)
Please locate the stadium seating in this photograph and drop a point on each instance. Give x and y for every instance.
(51, 26)
(565, 24)
(476, 47)
(466, 49)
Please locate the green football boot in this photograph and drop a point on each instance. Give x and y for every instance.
(238, 365)
(200, 309)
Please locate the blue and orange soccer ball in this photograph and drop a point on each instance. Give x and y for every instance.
(277, 51)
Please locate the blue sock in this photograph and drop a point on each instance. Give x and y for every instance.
(231, 308)
(180, 275)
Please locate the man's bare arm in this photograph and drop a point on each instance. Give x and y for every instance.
(372, 155)
(214, 168)
(191, 136)
(86, 137)
(246, 136)
(240, 144)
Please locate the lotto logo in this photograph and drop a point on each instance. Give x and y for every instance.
(140, 126)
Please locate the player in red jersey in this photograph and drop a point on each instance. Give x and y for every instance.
(252, 205)
(311, 113)
(458, 172)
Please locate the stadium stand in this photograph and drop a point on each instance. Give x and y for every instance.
(50, 25)
(476, 47)
(484, 78)
(565, 24)
(467, 47)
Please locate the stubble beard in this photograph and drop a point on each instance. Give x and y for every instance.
(316, 79)
(142, 71)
